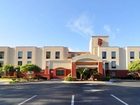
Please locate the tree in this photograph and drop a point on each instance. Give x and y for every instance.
(1, 71)
(134, 67)
(18, 73)
(81, 71)
(7, 69)
(30, 68)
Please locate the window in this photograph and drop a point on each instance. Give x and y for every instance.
(59, 72)
(29, 62)
(113, 64)
(131, 61)
(1, 54)
(132, 55)
(1, 63)
(29, 55)
(106, 66)
(57, 55)
(20, 63)
(20, 54)
(104, 55)
(48, 55)
(113, 55)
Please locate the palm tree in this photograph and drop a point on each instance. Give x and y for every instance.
(81, 71)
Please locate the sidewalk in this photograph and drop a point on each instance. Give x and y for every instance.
(56, 81)
(4, 81)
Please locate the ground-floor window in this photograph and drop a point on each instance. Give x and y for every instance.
(113, 64)
(20, 63)
(59, 72)
(1, 63)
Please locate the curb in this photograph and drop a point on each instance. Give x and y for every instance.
(92, 82)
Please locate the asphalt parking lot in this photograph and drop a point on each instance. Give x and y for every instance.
(122, 93)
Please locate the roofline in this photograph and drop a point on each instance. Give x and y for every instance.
(78, 52)
(26, 47)
(56, 47)
(132, 46)
(100, 36)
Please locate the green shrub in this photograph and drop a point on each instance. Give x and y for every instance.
(18, 80)
(107, 78)
(69, 78)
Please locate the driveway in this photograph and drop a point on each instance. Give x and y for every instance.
(122, 93)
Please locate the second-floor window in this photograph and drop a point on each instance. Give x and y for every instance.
(113, 55)
(1, 54)
(57, 55)
(132, 55)
(104, 55)
(29, 55)
(20, 54)
(48, 55)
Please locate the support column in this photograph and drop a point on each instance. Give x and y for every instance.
(73, 71)
(100, 68)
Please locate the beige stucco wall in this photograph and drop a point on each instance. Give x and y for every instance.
(39, 55)
(122, 59)
(63, 54)
(61, 63)
(136, 50)
(93, 47)
(109, 59)
(24, 59)
(6, 55)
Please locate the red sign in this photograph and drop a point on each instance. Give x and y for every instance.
(100, 41)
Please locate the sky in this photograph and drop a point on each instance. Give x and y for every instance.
(69, 23)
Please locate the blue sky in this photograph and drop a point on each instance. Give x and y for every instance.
(69, 23)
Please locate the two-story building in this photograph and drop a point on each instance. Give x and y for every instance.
(58, 61)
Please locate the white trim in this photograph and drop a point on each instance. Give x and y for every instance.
(90, 66)
(86, 56)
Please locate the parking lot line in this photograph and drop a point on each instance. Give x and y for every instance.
(119, 99)
(27, 100)
(72, 100)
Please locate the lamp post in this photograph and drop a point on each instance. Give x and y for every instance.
(17, 73)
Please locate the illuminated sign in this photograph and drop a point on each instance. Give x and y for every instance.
(100, 41)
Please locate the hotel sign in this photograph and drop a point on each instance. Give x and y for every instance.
(100, 41)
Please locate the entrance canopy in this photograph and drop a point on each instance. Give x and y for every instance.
(86, 58)
(86, 61)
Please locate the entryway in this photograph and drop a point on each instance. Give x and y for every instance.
(83, 73)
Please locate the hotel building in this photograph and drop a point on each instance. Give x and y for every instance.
(58, 61)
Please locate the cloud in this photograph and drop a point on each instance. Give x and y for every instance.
(117, 30)
(82, 25)
(107, 28)
(111, 31)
